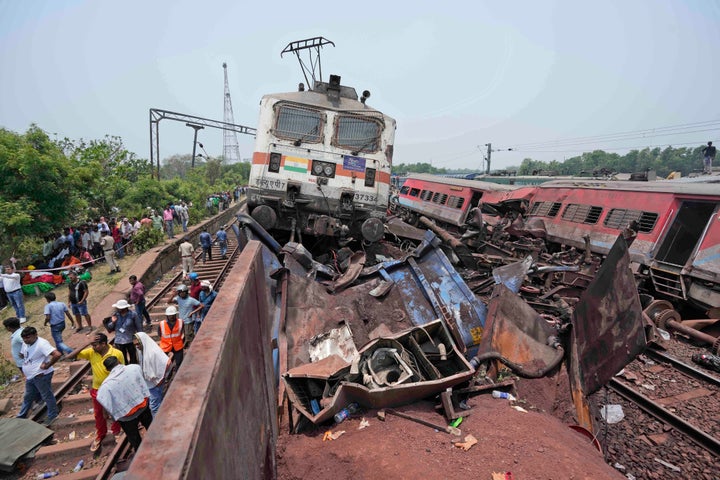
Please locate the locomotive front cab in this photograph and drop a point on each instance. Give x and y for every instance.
(321, 163)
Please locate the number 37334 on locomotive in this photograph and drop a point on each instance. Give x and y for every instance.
(321, 164)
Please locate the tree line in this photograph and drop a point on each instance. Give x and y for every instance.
(46, 185)
(662, 161)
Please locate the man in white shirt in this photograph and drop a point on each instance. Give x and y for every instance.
(11, 285)
(38, 357)
(125, 395)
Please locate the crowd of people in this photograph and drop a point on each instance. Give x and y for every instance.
(130, 375)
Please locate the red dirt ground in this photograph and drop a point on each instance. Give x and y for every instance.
(531, 445)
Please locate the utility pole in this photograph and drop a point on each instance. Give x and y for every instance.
(231, 150)
(487, 159)
(196, 128)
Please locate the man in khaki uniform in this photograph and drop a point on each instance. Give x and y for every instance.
(108, 245)
(186, 253)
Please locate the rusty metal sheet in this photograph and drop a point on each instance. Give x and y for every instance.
(355, 267)
(195, 434)
(517, 331)
(456, 370)
(338, 341)
(513, 275)
(608, 328)
(396, 226)
(322, 369)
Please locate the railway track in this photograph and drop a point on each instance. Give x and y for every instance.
(669, 429)
(75, 427)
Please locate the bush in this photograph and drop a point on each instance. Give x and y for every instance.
(147, 238)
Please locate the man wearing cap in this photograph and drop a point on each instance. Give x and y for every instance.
(207, 297)
(186, 250)
(221, 239)
(172, 338)
(96, 351)
(206, 244)
(13, 290)
(108, 246)
(126, 324)
(188, 308)
(78, 292)
(195, 286)
(38, 357)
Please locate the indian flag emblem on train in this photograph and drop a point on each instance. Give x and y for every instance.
(296, 164)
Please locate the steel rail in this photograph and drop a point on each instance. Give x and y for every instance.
(122, 448)
(699, 437)
(688, 370)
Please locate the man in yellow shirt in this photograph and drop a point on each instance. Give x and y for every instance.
(96, 352)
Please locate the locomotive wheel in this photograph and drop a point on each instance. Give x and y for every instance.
(657, 307)
(666, 316)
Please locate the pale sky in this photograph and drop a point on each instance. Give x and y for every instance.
(456, 75)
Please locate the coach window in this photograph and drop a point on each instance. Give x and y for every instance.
(545, 209)
(456, 202)
(582, 213)
(620, 218)
(298, 123)
(414, 192)
(426, 195)
(357, 133)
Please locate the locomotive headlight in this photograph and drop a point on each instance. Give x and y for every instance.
(317, 168)
(328, 170)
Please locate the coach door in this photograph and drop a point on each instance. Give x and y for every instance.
(685, 233)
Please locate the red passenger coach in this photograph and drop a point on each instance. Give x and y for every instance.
(678, 240)
(445, 199)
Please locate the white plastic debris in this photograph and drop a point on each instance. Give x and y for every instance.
(668, 465)
(612, 413)
(663, 334)
(363, 423)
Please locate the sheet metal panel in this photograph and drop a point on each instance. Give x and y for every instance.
(218, 418)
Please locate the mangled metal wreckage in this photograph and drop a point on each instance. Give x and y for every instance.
(409, 328)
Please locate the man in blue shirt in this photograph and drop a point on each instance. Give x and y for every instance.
(206, 244)
(221, 239)
(12, 325)
(55, 313)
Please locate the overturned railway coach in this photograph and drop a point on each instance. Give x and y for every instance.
(448, 200)
(321, 164)
(677, 224)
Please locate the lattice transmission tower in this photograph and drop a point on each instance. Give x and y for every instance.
(231, 151)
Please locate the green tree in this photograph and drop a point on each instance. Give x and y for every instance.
(37, 187)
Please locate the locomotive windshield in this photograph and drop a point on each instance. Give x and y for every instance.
(297, 123)
(358, 133)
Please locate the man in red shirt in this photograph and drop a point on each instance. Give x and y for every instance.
(137, 297)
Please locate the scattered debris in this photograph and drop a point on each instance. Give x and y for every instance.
(668, 465)
(363, 423)
(470, 440)
(612, 413)
(499, 394)
(519, 408)
(330, 435)
(448, 429)
(707, 360)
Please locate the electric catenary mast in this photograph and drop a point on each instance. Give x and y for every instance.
(231, 151)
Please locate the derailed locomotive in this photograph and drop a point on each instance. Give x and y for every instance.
(321, 164)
